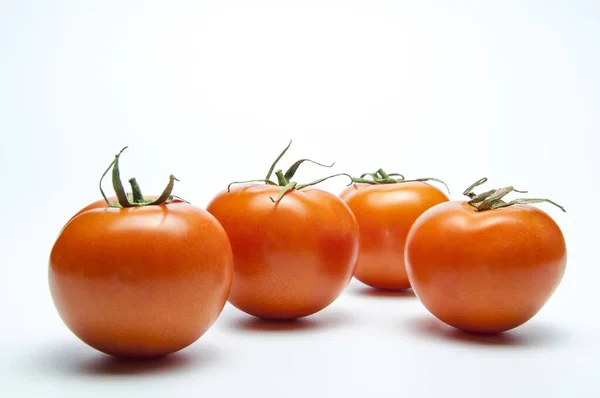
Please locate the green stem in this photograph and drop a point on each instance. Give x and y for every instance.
(136, 191)
(383, 174)
(494, 198)
(137, 197)
(117, 184)
(172, 197)
(293, 185)
(532, 201)
(320, 180)
(469, 191)
(381, 177)
(166, 193)
(289, 174)
(401, 176)
(100, 183)
(288, 187)
(268, 177)
(282, 181)
(362, 180)
(374, 175)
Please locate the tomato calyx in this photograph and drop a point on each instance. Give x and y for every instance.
(284, 180)
(493, 199)
(135, 198)
(381, 177)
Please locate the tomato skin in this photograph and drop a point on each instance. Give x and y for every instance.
(352, 189)
(385, 213)
(143, 281)
(488, 271)
(291, 259)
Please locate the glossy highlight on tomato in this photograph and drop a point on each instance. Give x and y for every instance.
(485, 270)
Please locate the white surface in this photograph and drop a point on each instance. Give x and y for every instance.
(211, 91)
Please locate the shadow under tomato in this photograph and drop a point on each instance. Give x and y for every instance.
(368, 291)
(524, 336)
(81, 360)
(108, 365)
(314, 322)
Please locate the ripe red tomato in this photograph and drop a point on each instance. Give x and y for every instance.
(385, 211)
(292, 258)
(141, 281)
(485, 266)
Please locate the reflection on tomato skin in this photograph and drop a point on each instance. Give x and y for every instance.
(487, 271)
(140, 281)
(291, 259)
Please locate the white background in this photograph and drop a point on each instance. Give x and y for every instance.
(211, 91)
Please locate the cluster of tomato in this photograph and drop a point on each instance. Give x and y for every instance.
(137, 276)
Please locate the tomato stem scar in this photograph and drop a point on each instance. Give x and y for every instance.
(493, 199)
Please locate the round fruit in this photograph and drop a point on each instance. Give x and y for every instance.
(142, 280)
(295, 248)
(385, 210)
(485, 265)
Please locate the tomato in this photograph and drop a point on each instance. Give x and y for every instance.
(385, 212)
(292, 258)
(140, 281)
(485, 267)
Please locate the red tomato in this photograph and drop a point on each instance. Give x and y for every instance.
(292, 258)
(140, 281)
(485, 271)
(385, 213)
(294, 247)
